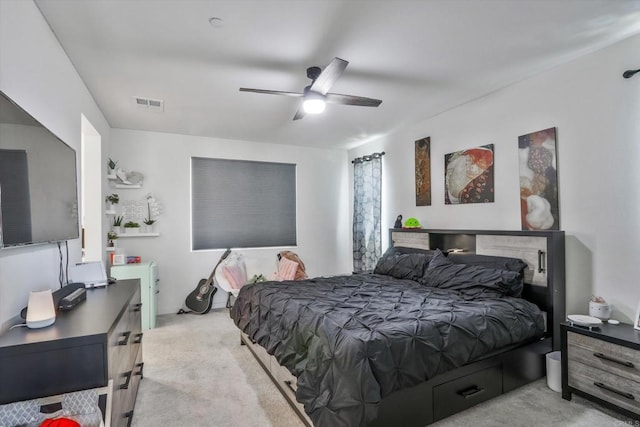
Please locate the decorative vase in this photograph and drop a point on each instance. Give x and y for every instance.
(117, 229)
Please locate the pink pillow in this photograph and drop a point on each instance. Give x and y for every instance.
(234, 276)
(287, 269)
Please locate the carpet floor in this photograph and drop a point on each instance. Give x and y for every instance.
(197, 374)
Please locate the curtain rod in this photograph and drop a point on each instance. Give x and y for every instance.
(368, 158)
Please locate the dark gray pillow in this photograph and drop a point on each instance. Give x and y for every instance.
(495, 262)
(473, 281)
(402, 266)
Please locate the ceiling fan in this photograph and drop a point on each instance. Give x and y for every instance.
(316, 95)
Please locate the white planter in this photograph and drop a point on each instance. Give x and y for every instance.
(600, 310)
(117, 229)
(132, 230)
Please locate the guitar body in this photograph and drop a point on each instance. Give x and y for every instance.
(199, 301)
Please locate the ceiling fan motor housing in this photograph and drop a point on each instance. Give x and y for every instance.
(313, 72)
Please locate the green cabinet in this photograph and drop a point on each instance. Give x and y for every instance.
(147, 272)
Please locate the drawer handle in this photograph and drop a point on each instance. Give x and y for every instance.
(471, 391)
(614, 360)
(138, 339)
(125, 338)
(137, 307)
(129, 417)
(126, 383)
(541, 261)
(141, 366)
(613, 390)
(290, 385)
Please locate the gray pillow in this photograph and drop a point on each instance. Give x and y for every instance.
(402, 266)
(472, 281)
(494, 262)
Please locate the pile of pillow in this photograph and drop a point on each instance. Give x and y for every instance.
(473, 276)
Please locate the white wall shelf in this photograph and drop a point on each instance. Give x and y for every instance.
(130, 186)
(138, 235)
(110, 212)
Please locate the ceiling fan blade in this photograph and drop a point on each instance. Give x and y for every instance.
(271, 92)
(361, 101)
(329, 75)
(299, 114)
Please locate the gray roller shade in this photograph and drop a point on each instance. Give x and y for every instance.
(242, 204)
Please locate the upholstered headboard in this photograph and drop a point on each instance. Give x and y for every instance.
(543, 251)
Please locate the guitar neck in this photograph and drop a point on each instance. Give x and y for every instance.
(213, 272)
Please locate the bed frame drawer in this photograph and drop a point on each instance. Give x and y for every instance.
(258, 351)
(465, 392)
(286, 381)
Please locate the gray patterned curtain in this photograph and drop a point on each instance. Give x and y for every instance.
(367, 237)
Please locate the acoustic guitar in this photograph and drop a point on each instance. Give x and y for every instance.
(200, 299)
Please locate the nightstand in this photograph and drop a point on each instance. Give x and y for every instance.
(602, 365)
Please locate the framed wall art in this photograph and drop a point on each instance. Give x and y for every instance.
(468, 176)
(538, 181)
(423, 171)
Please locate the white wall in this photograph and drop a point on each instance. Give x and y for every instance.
(165, 160)
(37, 74)
(597, 116)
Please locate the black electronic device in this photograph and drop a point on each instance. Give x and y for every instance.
(58, 294)
(73, 299)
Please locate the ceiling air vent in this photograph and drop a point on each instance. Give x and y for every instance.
(149, 104)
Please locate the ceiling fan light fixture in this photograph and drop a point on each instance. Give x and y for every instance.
(313, 103)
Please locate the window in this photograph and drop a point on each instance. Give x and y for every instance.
(242, 204)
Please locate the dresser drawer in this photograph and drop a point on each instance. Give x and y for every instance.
(609, 357)
(618, 390)
(462, 393)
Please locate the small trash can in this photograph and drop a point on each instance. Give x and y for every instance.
(554, 371)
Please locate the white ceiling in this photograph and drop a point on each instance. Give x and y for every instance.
(420, 57)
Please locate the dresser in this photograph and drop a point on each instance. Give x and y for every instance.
(603, 365)
(147, 272)
(97, 344)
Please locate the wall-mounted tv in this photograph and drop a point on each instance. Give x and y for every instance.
(38, 188)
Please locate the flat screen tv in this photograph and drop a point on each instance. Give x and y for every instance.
(38, 188)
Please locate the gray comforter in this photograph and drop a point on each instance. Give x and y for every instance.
(352, 340)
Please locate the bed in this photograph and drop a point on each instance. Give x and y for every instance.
(448, 319)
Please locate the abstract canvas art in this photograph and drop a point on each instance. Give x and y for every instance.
(468, 176)
(423, 171)
(538, 181)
